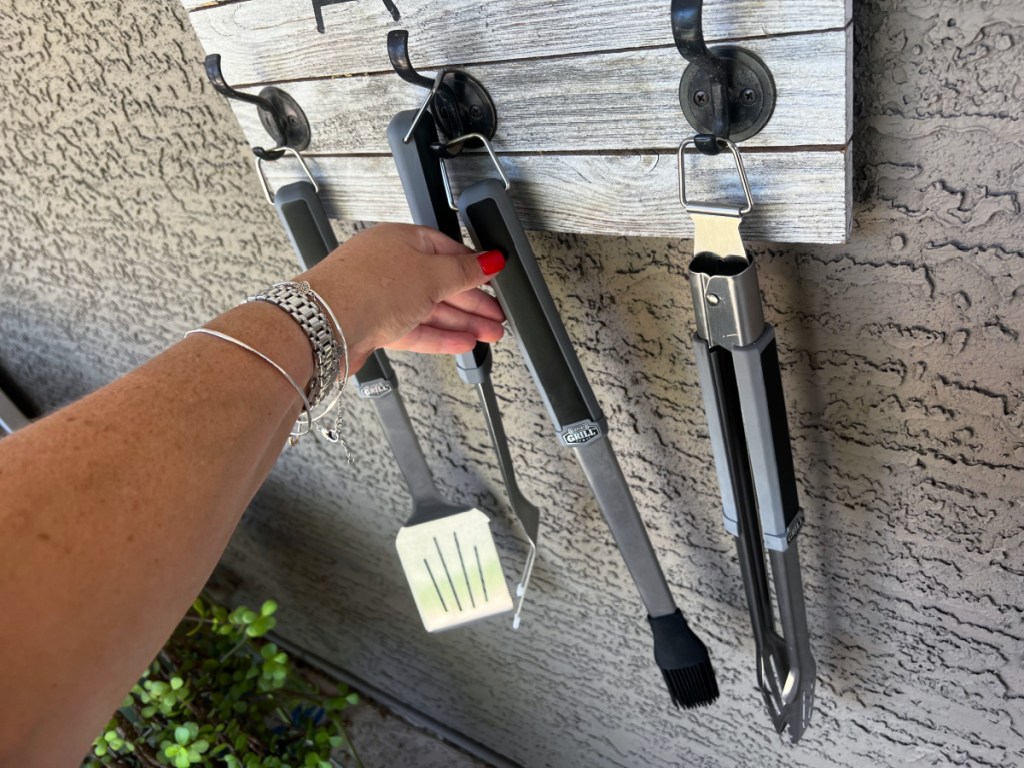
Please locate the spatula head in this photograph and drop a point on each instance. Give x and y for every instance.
(453, 570)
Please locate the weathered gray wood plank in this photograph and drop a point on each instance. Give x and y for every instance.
(799, 196)
(264, 40)
(610, 101)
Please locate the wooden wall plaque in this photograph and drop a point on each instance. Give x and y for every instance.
(586, 94)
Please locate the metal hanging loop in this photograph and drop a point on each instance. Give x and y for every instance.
(281, 116)
(274, 154)
(459, 103)
(444, 150)
(726, 92)
(692, 207)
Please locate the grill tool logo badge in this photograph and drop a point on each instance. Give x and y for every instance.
(580, 434)
(375, 389)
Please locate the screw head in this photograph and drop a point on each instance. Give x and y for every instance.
(748, 96)
(701, 98)
(475, 111)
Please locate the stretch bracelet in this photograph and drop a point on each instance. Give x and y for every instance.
(297, 431)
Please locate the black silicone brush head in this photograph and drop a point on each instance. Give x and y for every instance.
(684, 661)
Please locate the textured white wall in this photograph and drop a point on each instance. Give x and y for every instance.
(132, 214)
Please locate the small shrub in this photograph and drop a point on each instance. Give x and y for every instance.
(219, 695)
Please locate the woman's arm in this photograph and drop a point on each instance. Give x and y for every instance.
(115, 510)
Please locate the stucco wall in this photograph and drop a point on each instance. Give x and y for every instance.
(133, 214)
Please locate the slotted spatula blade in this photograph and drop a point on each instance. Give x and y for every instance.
(453, 570)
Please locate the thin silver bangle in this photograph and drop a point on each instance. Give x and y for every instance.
(295, 433)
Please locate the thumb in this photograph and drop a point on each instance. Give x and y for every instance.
(470, 270)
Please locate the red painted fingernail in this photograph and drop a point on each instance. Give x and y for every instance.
(491, 262)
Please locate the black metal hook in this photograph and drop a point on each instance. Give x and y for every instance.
(279, 113)
(460, 104)
(688, 31)
(725, 93)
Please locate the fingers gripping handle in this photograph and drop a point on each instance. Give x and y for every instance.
(492, 222)
(305, 220)
(420, 172)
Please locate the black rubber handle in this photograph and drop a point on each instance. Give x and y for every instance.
(305, 220)
(493, 224)
(419, 169)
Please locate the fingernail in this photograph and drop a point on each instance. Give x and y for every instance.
(491, 262)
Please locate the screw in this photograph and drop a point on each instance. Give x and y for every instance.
(475, 111)
(701, 98)
(748, 96)
(713, 299)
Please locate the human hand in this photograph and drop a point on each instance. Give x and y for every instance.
(401, 286)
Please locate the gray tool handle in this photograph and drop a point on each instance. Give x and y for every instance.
(734, 327)
(302, 213)
(493, 223)
(11, 417)
(605, 477)
(419, 170)
(759, 381)
(736, 485)
(406, 447)
(309, 230)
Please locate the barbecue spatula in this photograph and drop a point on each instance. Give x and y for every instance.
(446, 550)
(413, 138)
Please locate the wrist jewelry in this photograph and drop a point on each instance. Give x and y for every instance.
(330, 356)
(295, 299)
(296, 432)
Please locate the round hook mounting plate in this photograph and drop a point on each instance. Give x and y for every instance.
(751, 93)
(475, 110)
(296, 134)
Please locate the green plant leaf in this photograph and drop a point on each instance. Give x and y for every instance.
(176, 683)
(182, 760)
(201, 746)
(268, 651)
(352, 698)
(260, 626)
(181, 735)
(268, 608)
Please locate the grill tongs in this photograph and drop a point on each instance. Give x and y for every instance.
(738, 366)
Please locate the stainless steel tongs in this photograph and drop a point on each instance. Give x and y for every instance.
(738, 366)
